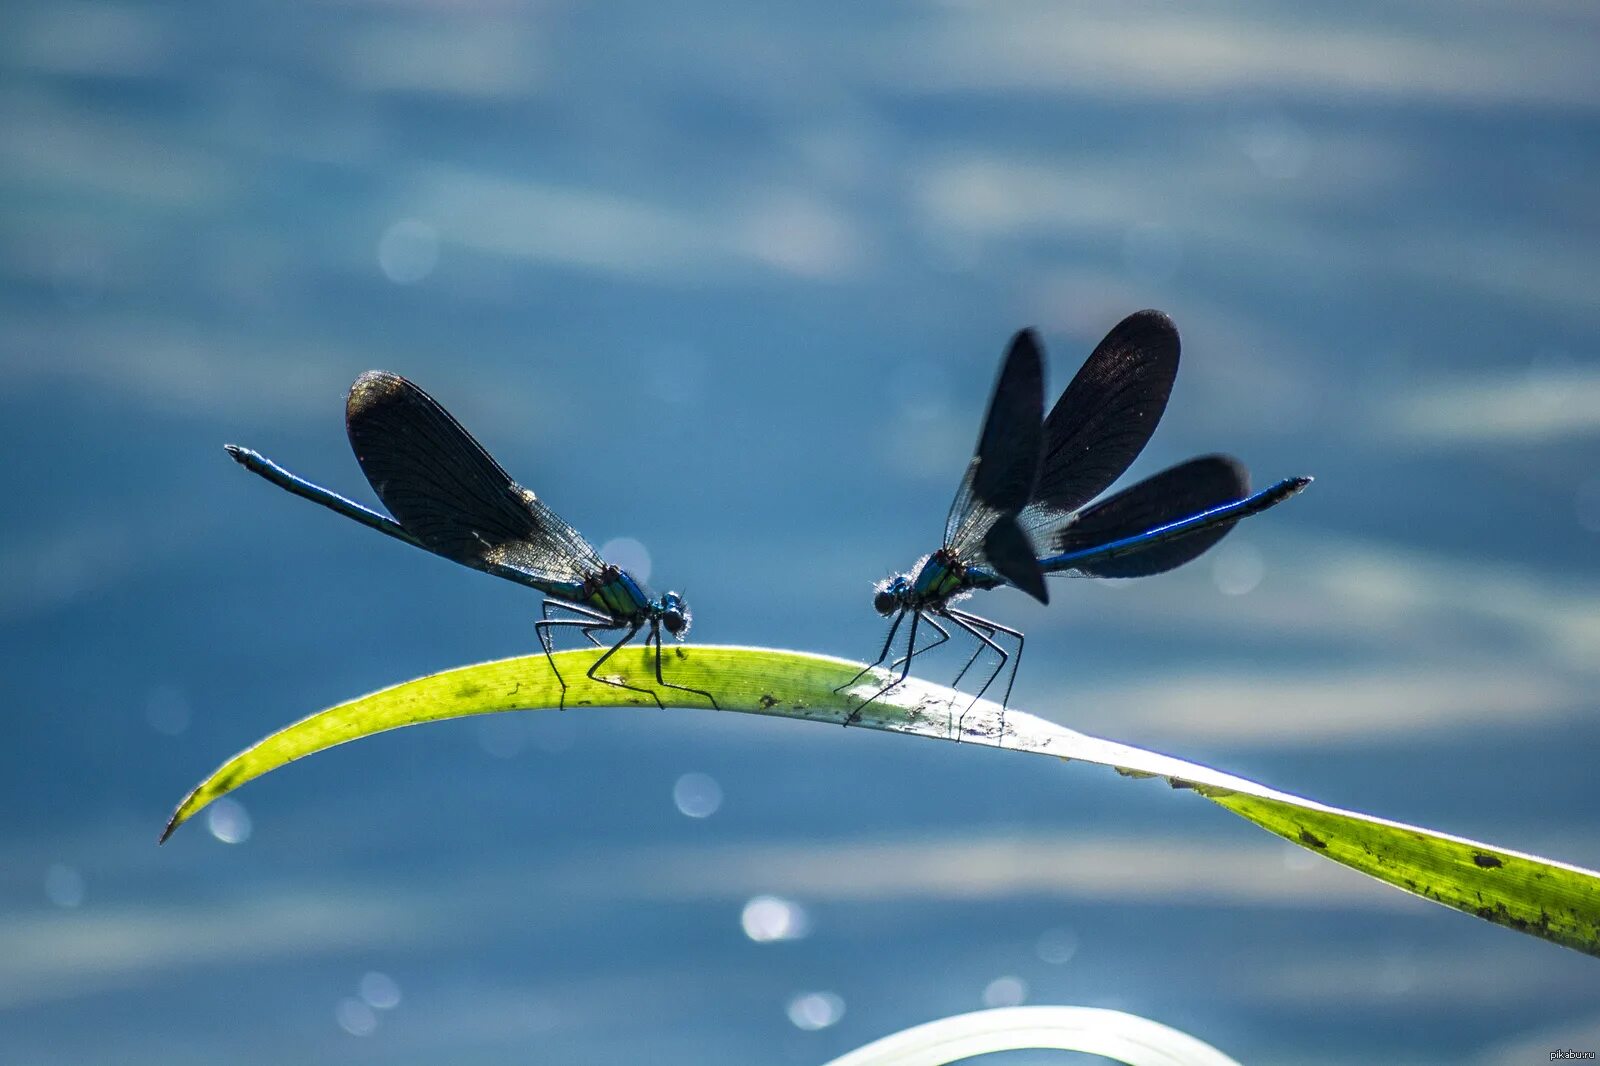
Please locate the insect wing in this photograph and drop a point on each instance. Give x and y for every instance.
(1107, 414)
(1008, 551)
(450, 494)
(1147, 509)
(1000, 478)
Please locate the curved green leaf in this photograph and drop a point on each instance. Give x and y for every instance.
(1551, 900)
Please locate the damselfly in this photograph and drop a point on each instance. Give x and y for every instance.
(449, 497)
(1019, 513)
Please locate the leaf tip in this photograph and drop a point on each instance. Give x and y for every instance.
(180, 815)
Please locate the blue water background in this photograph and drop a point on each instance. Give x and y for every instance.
(731, 281)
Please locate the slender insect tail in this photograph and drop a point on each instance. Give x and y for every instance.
(263, 467)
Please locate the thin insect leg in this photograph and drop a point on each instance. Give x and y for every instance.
(546, 641)
(911, 650)
(633, 630)
(972, 622)
(578, 609)
(977, 651)
(1016, 656)
(944, 636)
(961, 621)
(655, 631)
(543, 627)
(882, 655)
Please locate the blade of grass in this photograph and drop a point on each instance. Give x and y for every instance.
(1113, 1034)
(1547, 899)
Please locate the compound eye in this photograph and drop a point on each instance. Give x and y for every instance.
(673, 621)
(883, 602)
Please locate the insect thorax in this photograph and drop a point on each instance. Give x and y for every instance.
(940, 576)
(616, 593)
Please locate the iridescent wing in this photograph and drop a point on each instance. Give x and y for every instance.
(981, 526)
(448, 493)
(1106, 416)
(1161, 522)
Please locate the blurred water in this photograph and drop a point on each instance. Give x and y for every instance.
(729, 283)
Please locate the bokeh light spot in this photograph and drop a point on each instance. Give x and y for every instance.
(767, 919)
(228, 821)
(166, 710)
(355, 1017)
(1277, 145)
(697, 795)
(553, 733)
(408, 251)
(502, 735)
(629, 554)
(815, 1010)
(379, 991)
(1237, 567)
(63, 885)
(1057, 946)
(1005, 992)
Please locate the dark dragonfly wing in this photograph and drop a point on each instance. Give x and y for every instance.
(1008, 552)
(1161, 522)
(1178, 492)
(450, 494)
(999, 481)
(1000, 477)
(1106, 416)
